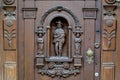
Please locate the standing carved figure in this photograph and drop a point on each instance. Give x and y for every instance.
(59, 38)
(77, 43)
(40, 40)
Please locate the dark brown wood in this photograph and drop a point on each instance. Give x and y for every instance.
(59, 40)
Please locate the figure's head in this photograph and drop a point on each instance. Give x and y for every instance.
(77, 34)
(59, 23)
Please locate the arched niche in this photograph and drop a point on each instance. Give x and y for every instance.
(51, 31)
(59, 9)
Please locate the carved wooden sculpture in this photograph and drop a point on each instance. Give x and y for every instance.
(59, 38)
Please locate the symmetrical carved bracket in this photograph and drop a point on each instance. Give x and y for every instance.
(58, 64)
(109, 28)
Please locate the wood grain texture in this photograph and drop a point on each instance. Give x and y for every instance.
(108, 52)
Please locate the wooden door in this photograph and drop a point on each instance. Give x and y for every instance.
(60, 40)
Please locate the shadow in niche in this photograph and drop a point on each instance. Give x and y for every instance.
(53, 29)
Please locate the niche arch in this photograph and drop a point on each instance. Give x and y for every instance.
(59, 8)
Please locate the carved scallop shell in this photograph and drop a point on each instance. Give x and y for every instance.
(8, 2)
(110, 1)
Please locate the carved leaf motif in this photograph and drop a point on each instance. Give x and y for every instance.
(10, 36)
(109, 36)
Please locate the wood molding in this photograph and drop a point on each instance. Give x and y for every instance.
(90, 13)
(29, 13)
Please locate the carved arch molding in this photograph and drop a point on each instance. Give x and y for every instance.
(58, 44)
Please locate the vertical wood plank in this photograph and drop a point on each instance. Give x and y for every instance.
(29, 49)
(108, 46)
(1, 45)
(117, 58)
(89, 42)
(21, 41)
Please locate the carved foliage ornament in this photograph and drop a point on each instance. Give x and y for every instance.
(9, 36)
(8, 2)
(109, 28)
(109, 36)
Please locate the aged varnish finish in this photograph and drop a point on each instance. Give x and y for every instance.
(59, 40)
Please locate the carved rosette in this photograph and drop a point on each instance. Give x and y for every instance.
(58, 65)
(109, 28)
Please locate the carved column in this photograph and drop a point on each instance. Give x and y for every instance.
(109, 30)
(10, 39)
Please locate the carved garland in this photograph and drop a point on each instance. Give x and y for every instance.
(58, 65)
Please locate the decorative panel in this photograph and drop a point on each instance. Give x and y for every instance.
(57, 59)
(10, 71)
(109, 28)
(108, 69)
(9, 28)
